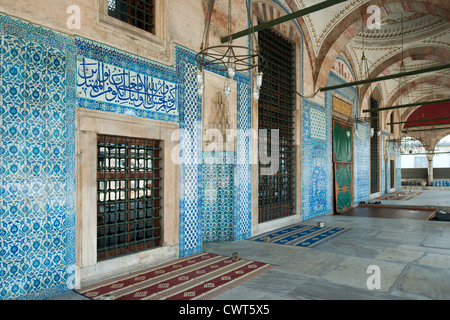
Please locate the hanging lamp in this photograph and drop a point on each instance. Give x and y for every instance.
(229, 58)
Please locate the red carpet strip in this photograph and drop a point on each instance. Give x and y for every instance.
(202, 276)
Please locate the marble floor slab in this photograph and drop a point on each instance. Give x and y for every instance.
(413, 259)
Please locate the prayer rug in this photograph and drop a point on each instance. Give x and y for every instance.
(307, 236)
(201, 276)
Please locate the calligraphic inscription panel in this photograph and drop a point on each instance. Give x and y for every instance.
(107, 83)
(342, 107)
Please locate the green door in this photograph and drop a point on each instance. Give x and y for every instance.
(343, 165)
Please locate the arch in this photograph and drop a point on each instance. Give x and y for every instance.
(293, 30)
(436, 54)
(439, 80)
(441, 110)
(408, 111)
(441, 135)
(351, 25)
(343, 68)
(376, 94)
(266, 11)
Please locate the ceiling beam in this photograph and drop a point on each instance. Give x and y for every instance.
(419, 130)
(421, 120)
(388, 77)
(407, 105)
(285, 18)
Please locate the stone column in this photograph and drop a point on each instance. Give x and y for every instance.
(430, 169)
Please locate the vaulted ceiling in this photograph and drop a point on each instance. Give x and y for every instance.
(415, 32)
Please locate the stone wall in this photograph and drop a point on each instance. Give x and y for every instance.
(44, 83)
(46, 69)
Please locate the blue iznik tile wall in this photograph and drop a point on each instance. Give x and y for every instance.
(398, 170)
(395, 153)
(362, 171)
(115, 81)
(215, 199)
(317, 172)
(385, 174)
(218, 196)
(37, 217)
(242, 182)
(45, 76)
(226, 194)
(317, 182)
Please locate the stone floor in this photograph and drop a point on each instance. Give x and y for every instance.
(413, 259)
(428, 198)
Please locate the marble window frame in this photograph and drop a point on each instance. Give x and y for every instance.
(157, 38)
(90, 123)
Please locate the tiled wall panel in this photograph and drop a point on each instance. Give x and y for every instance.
(362, 163)
(191, 224)
(201, 218)
(37, 221)
(316, 161)
(119, 62)
(218, 196)
(317, 173)
(188, 116)
(243, 204)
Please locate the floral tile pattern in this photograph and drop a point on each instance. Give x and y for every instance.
(37, 175)
(316, 163)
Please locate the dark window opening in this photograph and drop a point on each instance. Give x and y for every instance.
(276, 107)
(129, 189)
(392, 171)
(138, 13)
(392, 122)
(374, 149)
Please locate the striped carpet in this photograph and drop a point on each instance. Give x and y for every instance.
(306, 236)
(202, 276)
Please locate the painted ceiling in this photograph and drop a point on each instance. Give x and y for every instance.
(416, 32)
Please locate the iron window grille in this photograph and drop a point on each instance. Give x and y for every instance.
(129, 190)
(374, 149)
(276, 107)
(138, 13)
(392, 173)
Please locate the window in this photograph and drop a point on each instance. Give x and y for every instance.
(276, 112)
(392, 122)
(129, 203)
(392, 173)
(374, 149)
(104, 183)
(138, 13)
